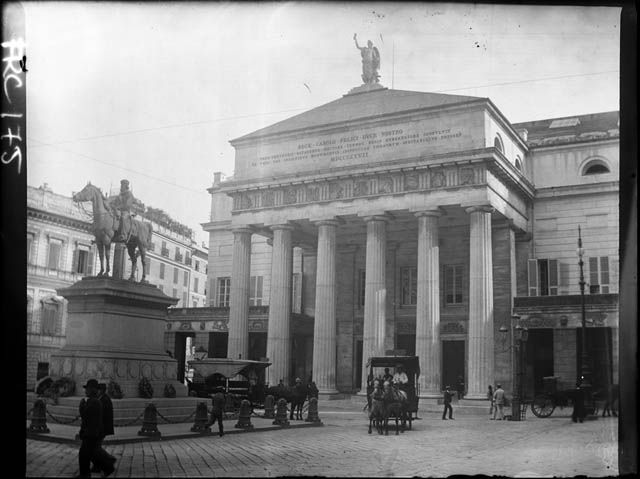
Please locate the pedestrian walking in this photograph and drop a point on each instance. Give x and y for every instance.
(578, 404)
(498, 399)
(217, 411)
(91, 432)
(107, 425)
(447, 404)
(490, 398)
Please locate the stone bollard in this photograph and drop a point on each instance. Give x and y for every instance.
(244, 418)
(312, 414)
(201, 423)
(150, 422)
(269, 407)
(281, 413)
(39, 418)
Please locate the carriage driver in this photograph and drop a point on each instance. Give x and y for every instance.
(122, 205)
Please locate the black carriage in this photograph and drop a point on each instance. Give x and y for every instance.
(238, 378)
(554, 396)
(411, 366)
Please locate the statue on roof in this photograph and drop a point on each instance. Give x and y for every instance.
(370, 61)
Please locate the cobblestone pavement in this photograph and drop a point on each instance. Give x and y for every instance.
(472, 444)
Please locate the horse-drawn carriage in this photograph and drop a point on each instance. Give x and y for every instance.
(237, 378)
(389, 398)
(555, 395)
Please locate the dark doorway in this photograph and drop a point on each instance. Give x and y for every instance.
(43, 370)
(359, 365)
(180, 352)
(452, 363)
(218, 345)
(407, 342)
(600, 356)
(538, 361)
(257, 346)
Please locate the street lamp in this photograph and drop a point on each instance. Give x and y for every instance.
(519, 337)
(585, 373)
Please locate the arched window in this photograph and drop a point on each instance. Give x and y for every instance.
(497, 144)
(595, 166)
(519, 164)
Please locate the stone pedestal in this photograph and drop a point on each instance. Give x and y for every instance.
(115, 331)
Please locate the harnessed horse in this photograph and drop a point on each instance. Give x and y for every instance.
(104, 227)
(378, 417)
(397, 405)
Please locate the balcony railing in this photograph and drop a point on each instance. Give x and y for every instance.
(178, 257)
(36, 270)
(165, 252)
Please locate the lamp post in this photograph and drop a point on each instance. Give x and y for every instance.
(519, 336)
(585, 373)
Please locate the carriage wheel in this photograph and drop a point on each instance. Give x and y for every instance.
(542, 406)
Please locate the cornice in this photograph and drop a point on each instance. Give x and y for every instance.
(37, 214)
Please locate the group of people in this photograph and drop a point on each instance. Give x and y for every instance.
(497, 399)
(399, 378)
(96, 413)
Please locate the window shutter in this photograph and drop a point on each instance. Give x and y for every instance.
(533, 277)
(604, 274)
(553, 277)
(259, 291)
(90, 262)
(594, 281)
(75, 266)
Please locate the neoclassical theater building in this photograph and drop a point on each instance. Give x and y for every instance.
(406, 222)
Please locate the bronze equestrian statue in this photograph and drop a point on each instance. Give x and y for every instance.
(114, 217)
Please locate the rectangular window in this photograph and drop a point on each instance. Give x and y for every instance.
(362, 286)
(30, 238)
(195, 285)
(453, 284)
(543, 277)
(255, 291)
(195, 303)
(161, 270)
(147, 266)
(196, 265)
(175, 275)
(49, 315)
(599, 275)
(164, 251)
(187, 258)
(82, 261)
(174, 293)
(186, 279)
(224, 289)
(296, 293)
(184, 300)
(53, 261)
(409, 284)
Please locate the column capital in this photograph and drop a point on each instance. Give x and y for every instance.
(282, 226)
(242, 229)
(434, 212)
(479, 208)
(381, 217)
(326, 222)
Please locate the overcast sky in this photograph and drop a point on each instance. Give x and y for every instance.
(153, 92)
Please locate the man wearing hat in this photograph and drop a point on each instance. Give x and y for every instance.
(91, 433)
(107, 422)
(122, 205)
(447, 403)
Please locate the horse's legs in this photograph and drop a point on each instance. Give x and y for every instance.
(107, 252)
(143, 262)
(131, 249)
(100, 247)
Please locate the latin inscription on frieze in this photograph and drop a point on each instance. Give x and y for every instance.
(362, 146)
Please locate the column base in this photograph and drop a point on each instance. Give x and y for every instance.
(475, 397)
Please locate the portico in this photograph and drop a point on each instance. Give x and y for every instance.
(399, 194)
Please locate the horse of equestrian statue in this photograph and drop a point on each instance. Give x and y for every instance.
(106, 223)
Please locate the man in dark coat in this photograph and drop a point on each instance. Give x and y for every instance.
(447, 404)
(107, 422)
(217, 411)
(578, 404)
(91, 433)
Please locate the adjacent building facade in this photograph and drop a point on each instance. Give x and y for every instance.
(60, 251)
(425, 223)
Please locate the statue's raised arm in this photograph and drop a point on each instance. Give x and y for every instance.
(355, 38)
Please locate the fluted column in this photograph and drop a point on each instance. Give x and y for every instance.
(375, 292)
(279, 332)
(428, 304)
(480, 366)
(324, 326)
(238, 345)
